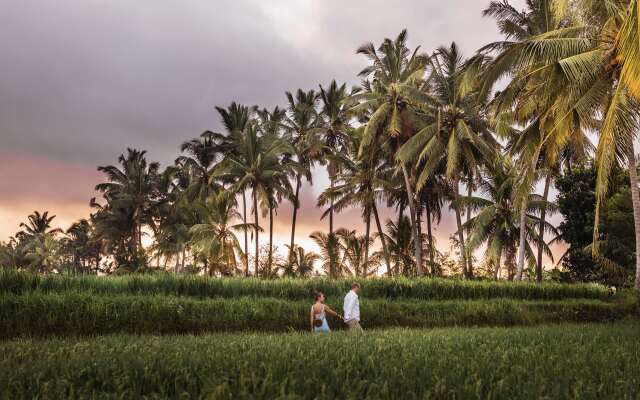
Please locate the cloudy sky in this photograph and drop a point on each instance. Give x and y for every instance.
(82, 80)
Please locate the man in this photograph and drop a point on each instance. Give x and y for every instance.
(352, 308)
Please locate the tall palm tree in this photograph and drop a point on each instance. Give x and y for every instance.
(132, 190)
(536, 96)
(302, 125)
(497, 223)
(361, 184)
(392, 97)
(455, 131)
(215, 238)
(400, 244)
(235, 119)
(201, 155)
(256, 163)
(336, 102)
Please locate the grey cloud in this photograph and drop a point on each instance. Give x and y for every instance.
(83, 79)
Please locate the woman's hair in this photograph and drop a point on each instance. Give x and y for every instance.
(317, 295)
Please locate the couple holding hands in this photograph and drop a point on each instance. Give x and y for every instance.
(351, 310)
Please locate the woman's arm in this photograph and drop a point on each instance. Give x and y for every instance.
(331, 312)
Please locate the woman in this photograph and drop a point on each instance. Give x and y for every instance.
(319, 313)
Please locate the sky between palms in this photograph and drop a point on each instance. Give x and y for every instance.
(82, 80)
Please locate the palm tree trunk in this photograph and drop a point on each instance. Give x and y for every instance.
(543, 215)
(635, 198)
(431, 249)
(497, 273)
(383, 241)
(269, 264)
(366, 242)
(184, 256)
(469, 255)
(419, 225)
(522, 243)
(412, 208)
(295, 215)
(463, 248)
(332, 266)
(255, 216)
(246, 239)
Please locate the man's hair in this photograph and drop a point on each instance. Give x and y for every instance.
(355, 285)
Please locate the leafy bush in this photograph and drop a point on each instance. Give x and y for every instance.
(37, 314)
(295, 289)
(559, 362)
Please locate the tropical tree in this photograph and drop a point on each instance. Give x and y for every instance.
(236, 118)
(355, 249)
(496, 225)
(392, 96)
(331, 255)
(361, 183)
(200, 157)
(215, 239)
(301, 129)
(256, 163)
(132, 188)
(399, 240)
(455, 134)
(301, 263)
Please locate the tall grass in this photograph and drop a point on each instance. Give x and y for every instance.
(551, 362)
(294, 289)
(37, 314)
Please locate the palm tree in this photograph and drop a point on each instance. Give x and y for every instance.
(271, 124)
(400, 243)
(214, 239)
(132, 190)
(200, 158)
(336, 102)
(79, 242)
(497, 223)
(355, 249)
(455, 132)
(301, 127)
(393, 98)
(37, 224)
(361, 184)
(537, 95)
(330, 254)
(235, 119)
(256, 163)
(301, 263)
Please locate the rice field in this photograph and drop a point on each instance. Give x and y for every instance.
(162, 336)
(295, 289)
(559, 362)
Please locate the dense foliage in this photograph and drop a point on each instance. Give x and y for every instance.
(559, 362)
(577, 202)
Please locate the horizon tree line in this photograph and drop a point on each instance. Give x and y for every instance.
(421, 132)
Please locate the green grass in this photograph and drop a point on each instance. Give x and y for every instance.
(37, 314)
(559, 362)
(295, 289)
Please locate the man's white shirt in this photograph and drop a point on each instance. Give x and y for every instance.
(351, 307)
